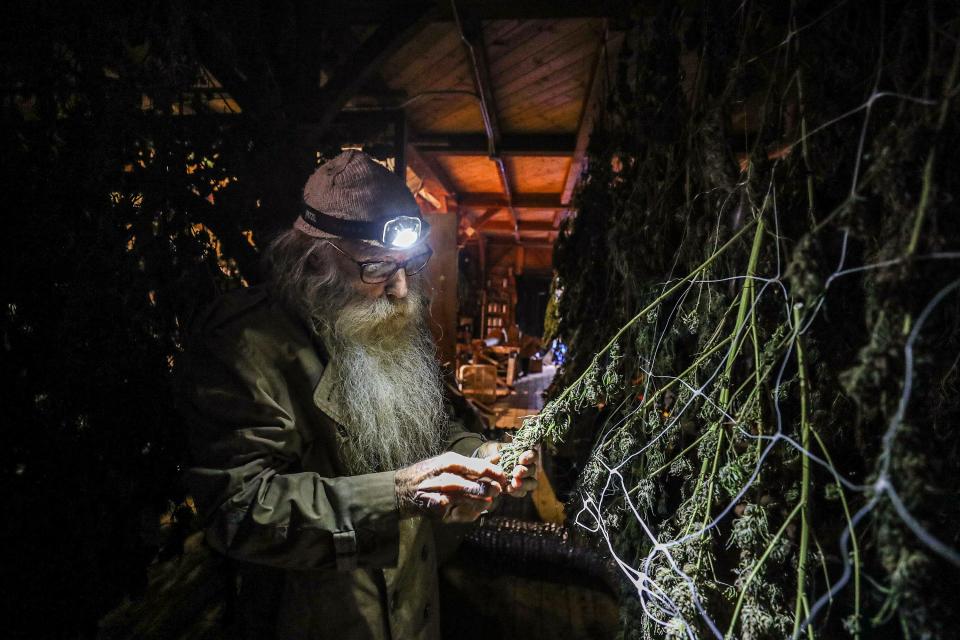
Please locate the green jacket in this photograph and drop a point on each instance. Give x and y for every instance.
(323, 554)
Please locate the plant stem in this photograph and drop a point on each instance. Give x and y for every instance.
(676, 457)
(754, 333)
(756, 568)
(806, 614)
(854, 545)
(745, 297)
(923, 204)
(805, 149)
(713, 474)
(804, 483)
(927, 185)
(696, 489)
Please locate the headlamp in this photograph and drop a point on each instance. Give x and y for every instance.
(398, 232)
(401, 232)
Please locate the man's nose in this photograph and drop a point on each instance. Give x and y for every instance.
(397, 285)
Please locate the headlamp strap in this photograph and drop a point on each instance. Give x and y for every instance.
(354, 229)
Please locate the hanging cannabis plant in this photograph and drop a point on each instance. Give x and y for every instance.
(761, 294)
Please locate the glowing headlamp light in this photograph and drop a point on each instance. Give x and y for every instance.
(401, 232)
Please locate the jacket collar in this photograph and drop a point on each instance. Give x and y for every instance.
(324, 396)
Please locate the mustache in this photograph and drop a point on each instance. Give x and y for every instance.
(375, 323)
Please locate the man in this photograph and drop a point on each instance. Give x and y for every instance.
(317, 423)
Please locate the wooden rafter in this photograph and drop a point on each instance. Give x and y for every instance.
(507, 191)
(591, 107)
(526, 226)
(519, 201)
(400, 25)
(428, 168)
(482, 249)
(527, 243)
(246, 85)
(486, 217)
(400, 154)
(541, 145)
(472, 36)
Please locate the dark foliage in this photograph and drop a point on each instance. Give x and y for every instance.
(848, 160)
(131, 203)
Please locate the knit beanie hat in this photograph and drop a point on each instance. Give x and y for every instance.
(353, 196)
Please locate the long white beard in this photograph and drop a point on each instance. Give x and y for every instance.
(389, 382)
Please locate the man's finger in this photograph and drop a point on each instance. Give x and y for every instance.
(495, 488)
(524, 471)
(474, 468)
(528, 457)
(477, 469)
(453, 484)
(525, 487)
(519, 473)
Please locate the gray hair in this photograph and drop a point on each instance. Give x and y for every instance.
(300, 269)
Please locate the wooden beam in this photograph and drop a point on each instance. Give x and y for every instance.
(519, 200)
(450, 204)
(482, 250)
(471, 33)
(525, 226)
(485, 218)
(591, 107)
(553, 145)
(537, 245)
(528, 244)
(397, 27)
(505, 181)
(536, 226)
(400, 145)
(246, 86)
(428, 168)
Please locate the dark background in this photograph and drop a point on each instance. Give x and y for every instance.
(122, 219)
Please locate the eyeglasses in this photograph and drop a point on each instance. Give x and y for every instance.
(380, 271)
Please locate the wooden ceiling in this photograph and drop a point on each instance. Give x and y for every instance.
(498, 100)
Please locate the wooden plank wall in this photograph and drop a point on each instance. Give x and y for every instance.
(442, 283)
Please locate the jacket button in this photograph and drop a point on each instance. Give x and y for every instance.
(426, 612)
(424, 553)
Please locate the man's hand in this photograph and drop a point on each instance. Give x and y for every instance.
(449, 487)
(523, 478)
